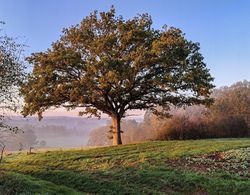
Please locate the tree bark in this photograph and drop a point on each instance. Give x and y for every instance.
(116, 127)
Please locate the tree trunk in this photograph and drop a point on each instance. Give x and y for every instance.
(116, 127)
(2, 151)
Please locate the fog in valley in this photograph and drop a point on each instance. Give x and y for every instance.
(59, 132)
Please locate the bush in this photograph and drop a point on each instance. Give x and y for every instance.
(230, 126)
(182, 128)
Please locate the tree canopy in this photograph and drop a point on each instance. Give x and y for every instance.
(107, 64)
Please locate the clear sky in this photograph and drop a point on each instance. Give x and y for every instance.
(221, 26)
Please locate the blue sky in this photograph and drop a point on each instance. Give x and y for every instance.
(221, 26)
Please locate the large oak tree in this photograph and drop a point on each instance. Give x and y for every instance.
(110, 65)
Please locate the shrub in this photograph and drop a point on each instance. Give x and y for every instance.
(183, 128)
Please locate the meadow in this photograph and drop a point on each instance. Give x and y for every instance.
(215, 166)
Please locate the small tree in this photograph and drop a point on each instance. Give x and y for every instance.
(110, 65)
(11, 75)
(11, 71)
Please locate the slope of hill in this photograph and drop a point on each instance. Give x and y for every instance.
(169, 167)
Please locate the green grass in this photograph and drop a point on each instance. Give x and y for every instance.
(143, 168)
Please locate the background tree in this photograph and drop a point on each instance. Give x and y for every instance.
(42, 143)
(233, 101)
(11, 75)
(110, 65)
(11, 71)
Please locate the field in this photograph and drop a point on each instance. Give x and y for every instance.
(216, 166)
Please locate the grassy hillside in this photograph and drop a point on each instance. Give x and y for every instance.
(169, 167)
